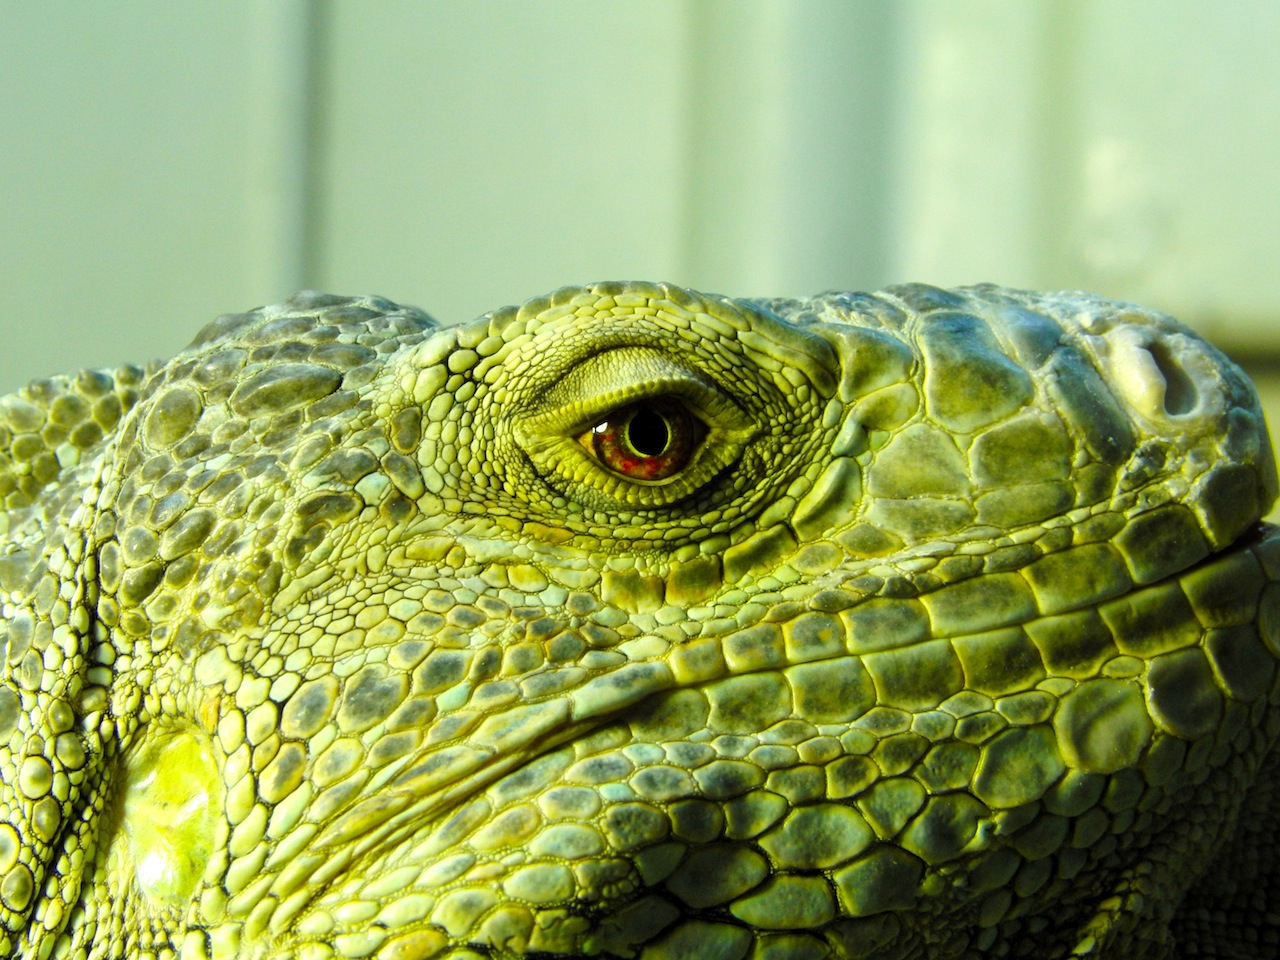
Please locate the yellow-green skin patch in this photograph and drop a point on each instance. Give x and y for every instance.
(165, 828)
(953, 635)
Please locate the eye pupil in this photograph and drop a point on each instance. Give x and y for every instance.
(648, 434)
(648, 440)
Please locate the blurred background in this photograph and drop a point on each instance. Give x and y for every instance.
(162, 163)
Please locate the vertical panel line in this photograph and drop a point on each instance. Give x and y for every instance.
(317, 111)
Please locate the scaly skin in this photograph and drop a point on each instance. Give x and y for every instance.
(925, 624)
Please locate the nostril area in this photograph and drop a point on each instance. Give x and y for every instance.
(1180, 393)
(1161, 376)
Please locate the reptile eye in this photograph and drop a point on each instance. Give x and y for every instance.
(648, 440)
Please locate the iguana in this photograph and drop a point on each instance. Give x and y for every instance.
(638, 622)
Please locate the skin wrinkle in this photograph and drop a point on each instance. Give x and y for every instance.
(919, 624)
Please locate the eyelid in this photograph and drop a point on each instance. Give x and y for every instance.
(599, 386)
(720, 414)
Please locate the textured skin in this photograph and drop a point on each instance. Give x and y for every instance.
(952, 635)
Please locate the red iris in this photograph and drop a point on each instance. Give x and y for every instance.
(649, 440)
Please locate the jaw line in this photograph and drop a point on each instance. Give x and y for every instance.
(430, 785)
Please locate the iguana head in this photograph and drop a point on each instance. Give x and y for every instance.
(637, 622)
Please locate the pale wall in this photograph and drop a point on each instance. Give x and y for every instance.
(165, 162)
